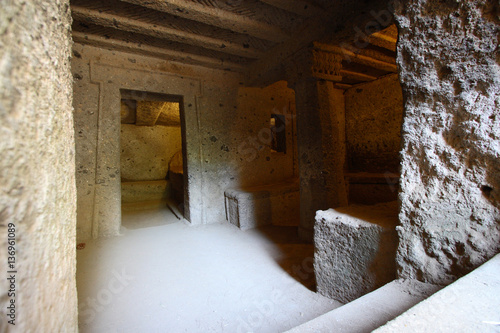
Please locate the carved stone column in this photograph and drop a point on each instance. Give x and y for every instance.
(320, 134)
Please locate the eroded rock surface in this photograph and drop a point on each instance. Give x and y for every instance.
(355, 249)
(450, 75)
(37, 169)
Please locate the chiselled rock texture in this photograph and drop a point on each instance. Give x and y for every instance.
(141, 191)
(374, 113)
(450, 182)
(37, 168)
(355, 250)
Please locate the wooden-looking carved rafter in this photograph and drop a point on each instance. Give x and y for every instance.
(217, 17)
(105, 19)
(160, 52)
(256, 37)
(299, 7)
(365, 56)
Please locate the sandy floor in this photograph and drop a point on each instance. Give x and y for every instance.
(164, 276)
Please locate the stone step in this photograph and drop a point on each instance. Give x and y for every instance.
(372, 310)
(471, 304)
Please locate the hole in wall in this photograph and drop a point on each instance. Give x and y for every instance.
(486, 190)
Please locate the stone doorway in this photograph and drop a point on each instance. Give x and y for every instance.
(106, 217)
(151, 155)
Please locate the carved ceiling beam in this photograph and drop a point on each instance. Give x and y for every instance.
(360, 56)
(216, 17)
(136, 26)
(381, 40)
(357, 76)
(299, 7)
(144, 49)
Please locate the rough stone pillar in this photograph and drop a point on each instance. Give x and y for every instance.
(320, 135)
(37, 169)
(450, 179)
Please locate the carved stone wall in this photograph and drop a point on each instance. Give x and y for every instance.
(227, 133)
(37, 169)
(450, 182)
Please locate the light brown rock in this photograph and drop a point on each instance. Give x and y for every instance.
(37, 168)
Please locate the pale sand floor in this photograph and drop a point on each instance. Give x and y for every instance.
(162, 275)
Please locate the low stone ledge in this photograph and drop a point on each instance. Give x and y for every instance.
(355, 249)
(470, 304)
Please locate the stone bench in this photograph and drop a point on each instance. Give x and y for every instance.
(355, 249)
(276, 204)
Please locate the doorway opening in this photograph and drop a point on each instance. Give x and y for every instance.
(151, 151)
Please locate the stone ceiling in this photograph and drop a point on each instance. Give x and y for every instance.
(254, 37)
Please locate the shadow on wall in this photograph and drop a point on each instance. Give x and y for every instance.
(176, 178)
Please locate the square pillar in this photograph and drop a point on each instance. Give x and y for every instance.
(320, 135)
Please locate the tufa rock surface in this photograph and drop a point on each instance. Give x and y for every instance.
(450, 179)
(355, 250)
(37, 167)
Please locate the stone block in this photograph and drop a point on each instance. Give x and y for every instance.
(276, 204)
(355, 250)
